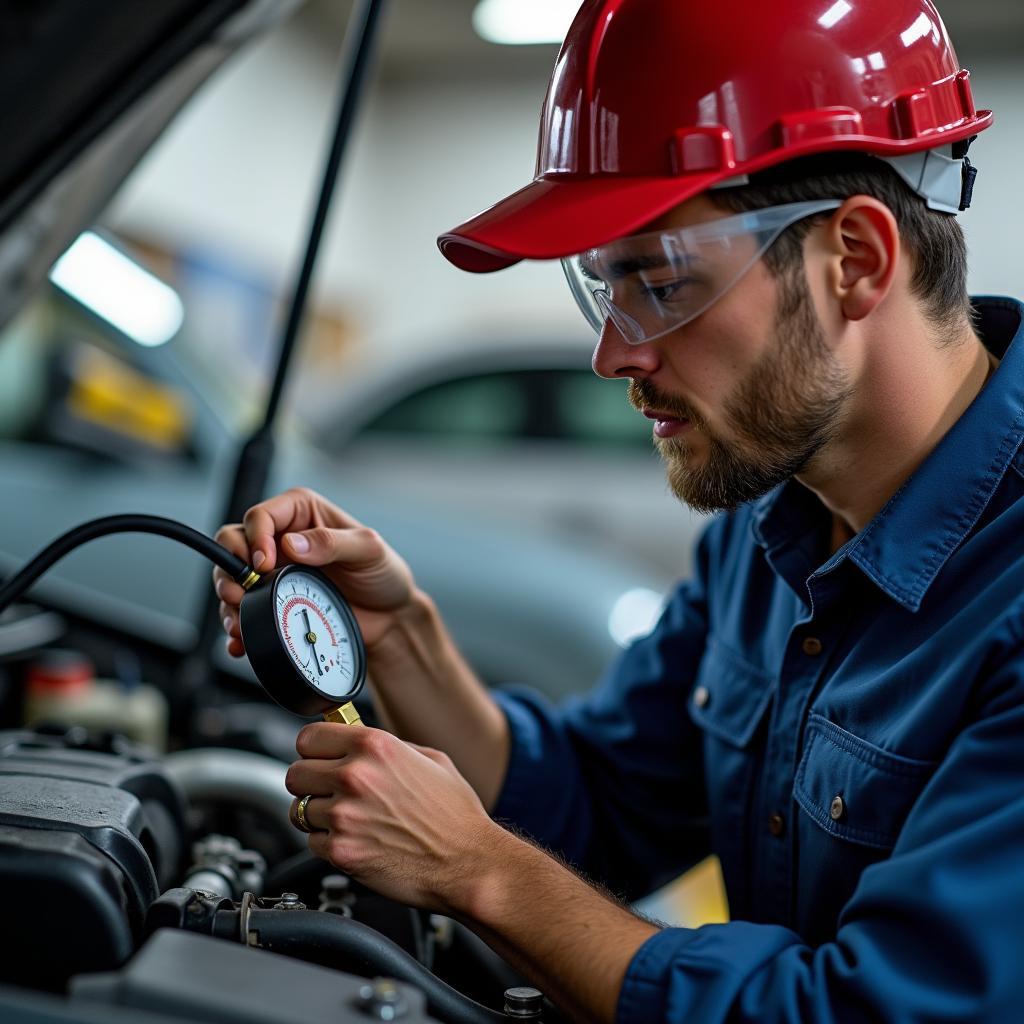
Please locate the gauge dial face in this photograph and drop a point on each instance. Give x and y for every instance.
(316, 634)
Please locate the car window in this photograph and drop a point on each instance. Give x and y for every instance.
(483, 407)
(565, 405)
(596, 411)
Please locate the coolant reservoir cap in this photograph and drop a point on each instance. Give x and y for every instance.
(59, 670)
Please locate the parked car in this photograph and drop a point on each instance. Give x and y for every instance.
(520, 436)
(527, 603)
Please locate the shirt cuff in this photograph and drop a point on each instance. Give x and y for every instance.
(698, 974)
(645, 990)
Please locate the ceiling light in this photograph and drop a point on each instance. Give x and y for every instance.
(521, 22)
(835, 14)
(116, 288)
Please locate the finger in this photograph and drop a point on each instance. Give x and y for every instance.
(229, 620)
(320, 846)
(294, 509)
(235, 647)
(315, 817)
(231, 537)
(227, 590)
(322, 740)
(314, 777)
(350, 547)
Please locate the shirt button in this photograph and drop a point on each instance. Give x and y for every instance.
(838, 808)
(812, 646)
(776, 824)
(702, 696)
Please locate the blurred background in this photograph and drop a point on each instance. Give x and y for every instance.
(403, 355)
(456, 413)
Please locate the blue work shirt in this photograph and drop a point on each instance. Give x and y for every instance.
(845, 731)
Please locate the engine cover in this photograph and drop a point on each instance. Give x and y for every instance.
(89, 833)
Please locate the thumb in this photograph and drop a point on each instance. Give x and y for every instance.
(311, 546)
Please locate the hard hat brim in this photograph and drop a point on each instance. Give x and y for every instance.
(559, 216)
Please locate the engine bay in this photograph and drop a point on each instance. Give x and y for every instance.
(173, 883)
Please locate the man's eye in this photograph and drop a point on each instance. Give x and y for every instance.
(668, 290)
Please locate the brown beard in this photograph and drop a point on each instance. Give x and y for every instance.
(780, 416)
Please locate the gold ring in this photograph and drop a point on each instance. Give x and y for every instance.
(300, 814)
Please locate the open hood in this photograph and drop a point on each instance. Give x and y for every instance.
(87, 89)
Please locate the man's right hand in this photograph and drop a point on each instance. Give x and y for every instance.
(302, 527)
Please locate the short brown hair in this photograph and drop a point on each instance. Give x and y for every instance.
(934, 239)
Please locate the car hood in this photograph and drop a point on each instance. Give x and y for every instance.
(87, 89)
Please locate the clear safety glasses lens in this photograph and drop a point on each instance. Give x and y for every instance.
(650, 284)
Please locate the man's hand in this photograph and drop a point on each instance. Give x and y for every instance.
(397, 817)
(401, 819)
(423, 689)
(300, 526)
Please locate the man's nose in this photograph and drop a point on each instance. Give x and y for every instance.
(615, 357)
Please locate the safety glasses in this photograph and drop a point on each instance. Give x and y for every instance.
(650, 284)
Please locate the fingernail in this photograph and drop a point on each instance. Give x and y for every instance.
(227, 623)
(258, 558)
(219, 587)
(298, 542)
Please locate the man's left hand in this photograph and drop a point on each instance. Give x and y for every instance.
(397, 817)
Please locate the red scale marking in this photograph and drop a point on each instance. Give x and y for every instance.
(291, 603)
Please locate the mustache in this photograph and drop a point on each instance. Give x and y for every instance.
(642, 394)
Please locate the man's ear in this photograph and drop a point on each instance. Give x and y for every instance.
(862, 242)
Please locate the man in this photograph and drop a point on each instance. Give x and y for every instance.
(755, 207)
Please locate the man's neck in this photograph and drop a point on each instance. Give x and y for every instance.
(908, 394)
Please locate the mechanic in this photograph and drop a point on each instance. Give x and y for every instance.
(756, 207)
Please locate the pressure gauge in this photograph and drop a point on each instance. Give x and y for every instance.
(303, 643)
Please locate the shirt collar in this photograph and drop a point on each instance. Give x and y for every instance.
(909, 541)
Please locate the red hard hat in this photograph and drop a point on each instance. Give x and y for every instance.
(654, 101)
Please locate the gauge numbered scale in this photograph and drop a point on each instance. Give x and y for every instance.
(304, 644)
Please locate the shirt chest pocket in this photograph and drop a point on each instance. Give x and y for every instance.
(730, 696)
(854, 798)
(853, 789)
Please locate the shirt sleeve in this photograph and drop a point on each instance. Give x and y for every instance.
(614, 781)
(931, 934)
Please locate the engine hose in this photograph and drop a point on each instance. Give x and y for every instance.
(335, 941)
(67, 542)
(239, 777)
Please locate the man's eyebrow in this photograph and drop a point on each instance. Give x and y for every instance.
(618, 269)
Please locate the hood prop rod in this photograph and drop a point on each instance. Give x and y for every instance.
(252, 469)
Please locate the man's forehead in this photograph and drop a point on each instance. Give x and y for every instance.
(619, 260)
(646, 249)
(696, 210)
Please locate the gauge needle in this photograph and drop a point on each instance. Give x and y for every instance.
(311, 638)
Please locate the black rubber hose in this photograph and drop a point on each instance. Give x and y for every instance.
(67, 542)
(339, 942)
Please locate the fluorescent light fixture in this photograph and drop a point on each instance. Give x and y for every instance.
(116, 288)
(634, 615)
(835, 14)
(922, 27)
(521, 22)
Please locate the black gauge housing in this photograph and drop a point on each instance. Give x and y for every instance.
(269, 657)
